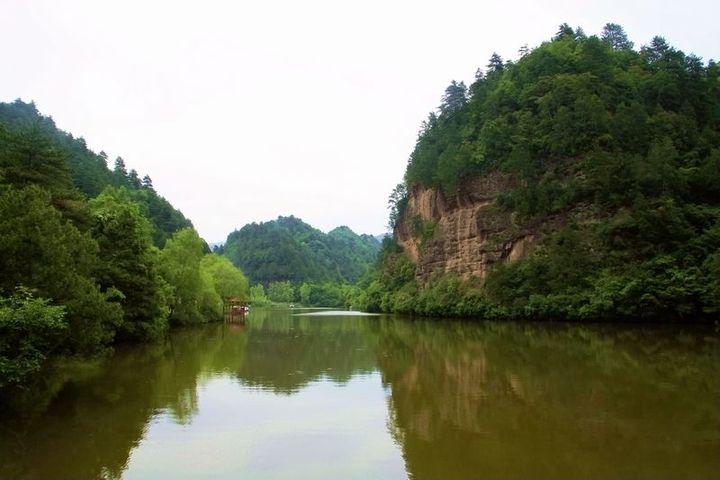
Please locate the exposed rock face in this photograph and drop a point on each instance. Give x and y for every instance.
(464, 234)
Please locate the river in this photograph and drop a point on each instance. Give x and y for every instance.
(373, 397)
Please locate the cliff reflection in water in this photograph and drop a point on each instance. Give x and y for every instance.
(538, 401)
(460, 400)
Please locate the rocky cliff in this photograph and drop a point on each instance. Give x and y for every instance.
(466, 233)
(614, 210)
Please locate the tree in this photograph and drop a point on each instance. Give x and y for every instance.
(43, 251)
(305, 291)
(495, 64)
(657, 49)
(210, 303)
(614, 35)
(28, 157)
(227, 279)
(165, 219)
(147, 183)
(193, 298)
(129, 266)
(120, 169)
(134, 179)
(325, 294)
(428, 125)
(454, 98)
(564, 30)
(658, 175)
(30, 329)
(281, 292)
(397, 202)
(257, 295)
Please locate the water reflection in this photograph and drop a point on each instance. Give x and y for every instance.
(533, 401)
(363, 397)
(100, 415)
(287, 352)
(104, 415)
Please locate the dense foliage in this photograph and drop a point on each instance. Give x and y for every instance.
(80, 263)
(287, 249)
(129, 264)
(34, 150)
(615, 151)
(30, 329)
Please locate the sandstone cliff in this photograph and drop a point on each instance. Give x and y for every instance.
(466, 233)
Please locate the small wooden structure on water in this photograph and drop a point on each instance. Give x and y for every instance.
(235, 309)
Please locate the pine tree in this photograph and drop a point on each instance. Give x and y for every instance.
(563, 31)
(120, 168)
(147, 183)
(134, 179)
(614, 35)
(455, 97)
(495, 64)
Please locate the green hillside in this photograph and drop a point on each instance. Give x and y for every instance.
(613, 156)
(30, 137)
(80, 263)
(287, 249)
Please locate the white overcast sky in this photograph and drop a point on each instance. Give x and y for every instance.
(242, 111)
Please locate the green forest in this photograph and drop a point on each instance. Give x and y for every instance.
(290, 261)
(288, 249)
(614, 153)
(90, 256)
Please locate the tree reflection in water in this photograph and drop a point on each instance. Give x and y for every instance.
(547, 401)
(464, 400)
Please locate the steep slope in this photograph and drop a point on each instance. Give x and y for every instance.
(79, 271)
(29, 131)
(580, 182)
(464, 233)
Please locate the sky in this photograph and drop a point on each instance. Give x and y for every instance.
(241, 111)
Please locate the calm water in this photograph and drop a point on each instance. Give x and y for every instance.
(291, 397)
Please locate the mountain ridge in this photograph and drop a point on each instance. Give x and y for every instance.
(288, 249)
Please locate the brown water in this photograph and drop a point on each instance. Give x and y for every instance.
(289, 397)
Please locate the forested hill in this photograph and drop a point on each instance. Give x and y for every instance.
(288, 249)
(80, 263)
(34, 151)
(580, 181)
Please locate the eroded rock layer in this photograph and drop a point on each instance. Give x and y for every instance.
(465, 233)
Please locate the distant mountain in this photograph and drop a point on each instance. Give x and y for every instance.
(290, 249)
